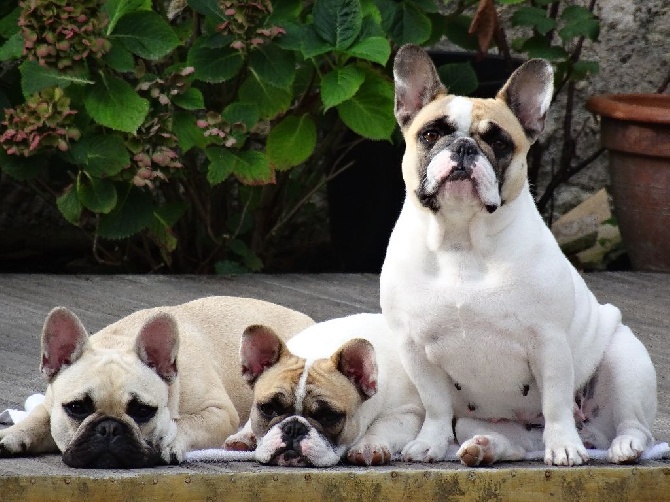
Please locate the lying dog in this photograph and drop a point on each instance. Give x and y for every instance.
(337, 389)
(497, 328)
(146, 389)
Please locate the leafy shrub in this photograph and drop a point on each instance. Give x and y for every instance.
(185, 135)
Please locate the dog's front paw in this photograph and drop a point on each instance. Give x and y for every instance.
(241, 441)
(478, 450)
(369, 453)
(565, 454)
(625, 449)
(424, 451)
(12, 445)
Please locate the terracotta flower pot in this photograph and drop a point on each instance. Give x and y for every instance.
(635, 128)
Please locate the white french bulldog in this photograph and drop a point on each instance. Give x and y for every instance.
(498, 329)
(336, 389)
(146, 389)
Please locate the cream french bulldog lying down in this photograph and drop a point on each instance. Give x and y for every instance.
(497, 328)
(335, 390)
(146, 389)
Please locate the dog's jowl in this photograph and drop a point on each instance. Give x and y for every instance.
(497, 329)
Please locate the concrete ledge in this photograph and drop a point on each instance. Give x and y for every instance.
(433, 483)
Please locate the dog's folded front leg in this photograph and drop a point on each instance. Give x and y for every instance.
(436, 432)
(30, 436)
(552, 366)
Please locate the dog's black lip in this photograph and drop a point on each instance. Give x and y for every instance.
(305, 462)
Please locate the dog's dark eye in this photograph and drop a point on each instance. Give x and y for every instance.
(79, 409)
(327, 416)
(430, 136)
(271, 409)
(140, 412)
(498, 140)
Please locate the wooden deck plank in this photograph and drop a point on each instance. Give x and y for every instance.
(26, 299)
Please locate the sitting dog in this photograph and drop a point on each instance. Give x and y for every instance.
(337, 389)
(146, 389)
(497, 328)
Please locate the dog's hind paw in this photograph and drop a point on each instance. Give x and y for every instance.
(477, 451)
(625, 449)
(422, 451)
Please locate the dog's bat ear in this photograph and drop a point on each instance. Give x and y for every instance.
(157, 345)
(528, 94)
(356, 361)
(260, 348)
(64, 339)
(416, 82)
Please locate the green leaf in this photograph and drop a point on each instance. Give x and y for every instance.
(209, 8)
(102, 155)
(459, 78)
(252, 168)
(535, 18)
(245, 113)
(9, 25)
(273, 65)
(190, 99)
(457, 32)
(249, 258)
(113, 103)
(370, 112)
(582, 69)
(404, 22)
(120, 59)
(292, 39)
(214, 65)
(12, 48)
(340, 84)
(291, 142)
(220, 164)
(270, 100)
(430, 6)
(160, 228)
(187, 132)
(375, 49)
(312, 44)
(34, 78)
(116, 9)
(95, 194)
(538, 47)
(579, 22)
(338, 22)
(284, 11)
(22, 168)
(69, 206)
(146, 34)
(132, 214)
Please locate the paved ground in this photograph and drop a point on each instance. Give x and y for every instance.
(98, 300)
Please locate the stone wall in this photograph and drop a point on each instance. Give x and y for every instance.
(634, 56)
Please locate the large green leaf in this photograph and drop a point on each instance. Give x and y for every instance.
(338, 22)
(160, 228)
(96, 194)
(116, 9)
(252, 168)
(539, 47)
(404, 22)
(187, 132)
(291, 142)
(191, 99)
(12, 48)
(132, 214)
(579, 22)
(69, 206)
(245, 113)
(534, 17)
(273, 65)
(270, 100)
(312, 44)
(9, 25)
(146, 34)
(102, 155)
(220, 164)
(120, 59)
(340, 84)
(214, 65)
(459, 78)
(22, 168)
(35, 77)
(113, 103)
(375, 49)
(370, 112)
(209, 8)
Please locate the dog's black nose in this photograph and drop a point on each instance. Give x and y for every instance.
(464, 153)
(295, 430)
(109, 429)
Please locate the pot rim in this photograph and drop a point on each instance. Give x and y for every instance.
(654, 108)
